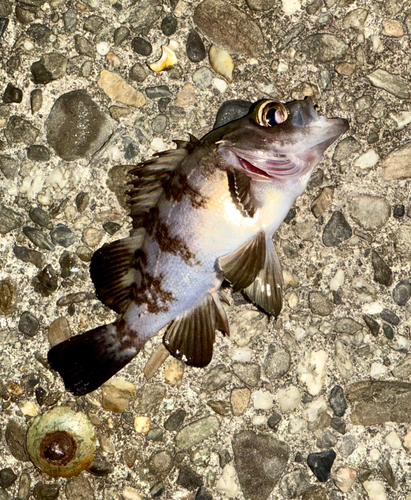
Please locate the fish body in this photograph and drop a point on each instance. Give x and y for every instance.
(202, 213)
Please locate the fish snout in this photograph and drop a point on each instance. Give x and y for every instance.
(302, 113)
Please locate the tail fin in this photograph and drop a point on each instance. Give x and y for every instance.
(86, 361)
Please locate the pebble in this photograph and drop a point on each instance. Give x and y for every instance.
(174, 372)
(393, 440)
(323, 201)
(402, 292)
(50, 67)
(70, 113)
(149, 398)
(130, 493)
(159, 91)
(12, 94)
(390, 317)
(175, 420)
(337, 401)
(345, 150)
(249, 373)
(344, 478)
(397, 164)
(348, 445)
(263, 400)
(347, 326)
(115, 87)
(324, 48)
(138, 73)
(220, 407)
(142, 424)
(103, 48)
(320, 463)
(186, 96)
(294, 484)
(28, 255)
(8, 167)
(394, 84)
(24, 486)
(92, 237)
(79, 488)
(46, 281)
(260, 462)
(7, 477)
(46, 491)
(36, 100)
(367, 160)
(28, 324)
(111, 227)
(375, 490)
(189, 479)
(228, 483)
(84, 47)
(15, 436)
(63, 236)
(311, 371)
(382, 272)
(19, 130)
(239, 399)
(229, 27)
(36, 152)
(196, 432)
(160, 463)
(39, 238)
(9, 220)
(393, 28)
(371, 212)
(141, 46)
(277, 362)
(402, 241)
(159, 124)
(7, 296)
(377, 401)
(221, 62)
(202, 78)
(169, 25)
(116, 394)
(195, 49)
(216, 378)
(336, 230)
(320, 304)
(338, 425)
(289, 398)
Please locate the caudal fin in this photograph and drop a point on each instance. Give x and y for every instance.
(86, 361)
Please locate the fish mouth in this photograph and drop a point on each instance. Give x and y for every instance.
(273, 168)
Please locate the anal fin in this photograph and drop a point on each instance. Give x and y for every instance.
(266, 290)
(191, 336)
(241, 267)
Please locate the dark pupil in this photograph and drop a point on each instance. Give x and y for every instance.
(270, 117)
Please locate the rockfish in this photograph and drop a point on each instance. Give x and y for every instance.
(202, 213)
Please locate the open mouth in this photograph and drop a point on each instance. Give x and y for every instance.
(272, 168)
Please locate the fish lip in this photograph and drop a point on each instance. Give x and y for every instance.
(278, 168)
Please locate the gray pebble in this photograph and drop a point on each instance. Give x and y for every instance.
(394, 84)
(7, 477)
(195, 47)
(40, 33)
(46, 491)
(36, 152)
(84, 47)
(29, 255)
(371, 212)
(260, 4)
(28, 324)
(15, 436)
(40, 217)
(347, 326)
(163, 103)
(189, 479)
(155, 434)
(320, 304)
(9, 220)
(249, 373)
(277, 362)
(149, 398)
(169, 25)
(141, 46)
(93, 24)
(12, 94)
(338, 424)
(382, 272)
(62, 235)
(216, 378)
(373, 326)
(36, 100)
(324, 48)
(160, 463)
(402, 292)
(39, 238)
(336, 230)
(19, 130)
(390, 317)
(196, 432)
(388, 331)
(175, 420)
(50, 67)
(159, 124)
(70, 21)
(388, 473)
(79, 488)
(345, 149)
(158, 92)
(288, 37)
(176, 113)
(348, 445)
(138, 73)
(203, 78)
(100, 467)
(337, 401)
(111, 227)
(45, 282)
(8, 167)
(327, 439)
(121, 34)
(274, 420)
(295, 483)
(320, 463)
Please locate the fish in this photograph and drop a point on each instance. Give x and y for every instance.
(203, 216)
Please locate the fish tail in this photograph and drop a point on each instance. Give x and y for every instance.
(86, 361)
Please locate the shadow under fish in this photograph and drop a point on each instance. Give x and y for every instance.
(202, 213)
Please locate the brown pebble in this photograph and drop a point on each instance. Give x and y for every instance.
(92, 236)
(59, 330)
(7, 296)
(74, 298)
(36, 100)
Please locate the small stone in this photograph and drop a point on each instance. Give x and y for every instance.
(158, 91)
(397, 164)
(390, 317)
(175, 420)
(375, 490)
(149, 398)
(142, 425)
(322, 202)
(7, 296)
(345, 69)
(50, 67)
(373, 326)
(320, 304)
(46, 491)
(37, 152)
(294, 484)
(29, 255)
(347, 326)
(84, 47)
(24, 486)
(157, 489)
(371, 212)
(100, 467)
(155, 434)
(19, 130)
(402, 292)
(320, 463)
(68, 263)
(8, 167)
(263, 400)
(203, 78)
(36, 100)
(402, 241)
(119, 90)
(221, 62)
(249, 373)
(196, 432)
(323, 48)
(186, 96)
(12, 94)
(92, 237)
(311, 371)
(344, 478)
(7, 477)
(227, 483)
(46, 281)
(15, 436)
(399, 211)
(189, 479)
(348, 445)
(196, 51)
(138, 73)
(159, 124)
(79, 488)
(338, 424)
(160, 463)
(9, 220)
(337, 401)
(367, 160)
(216, 378)
(58, 331)
(141, 46)
(392, 27)
(382, 272)
(240, 397)
(121, 34)
(289, 398)
(116, 394)
(174, 372)
(169, 25)
(394, 84)
(130, 493)
(336, 230)
(62, 235)
(28, 324)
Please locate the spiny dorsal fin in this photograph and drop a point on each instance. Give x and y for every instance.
(191, 336)
(241, 267)
(114, 271)
(151, 177)
(266, 289)
(240, 184)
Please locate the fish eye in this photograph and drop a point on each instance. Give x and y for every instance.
(271, 113)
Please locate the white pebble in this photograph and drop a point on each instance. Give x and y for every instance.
(228, 482)
(375, 490)
(402, 118)
(372, 308)
(377, 369)
(313, 409)
(289, 398)
(337, 281)
(282, 67)
(400, 343)
(299, 333)
(367, 160)
(142, 425)
(29, 408)
(157, 144)
(344, 478)
(293, 300)
(311, 371)
(393, 440)
(289, 278)
(220, 84)
(259, 420)
(290, 7)
(31, 186)
(375, 455)
(28, 45)
(241, 354)
(103, 48)
(263, 400)
(70, 212)
(114, 153)
(130, 493)
(296, 425)
(221, 62)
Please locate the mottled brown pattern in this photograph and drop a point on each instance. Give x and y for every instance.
(178, 187)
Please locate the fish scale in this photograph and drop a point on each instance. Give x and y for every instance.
(203, 214)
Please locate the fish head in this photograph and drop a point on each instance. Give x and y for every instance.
(279, 142)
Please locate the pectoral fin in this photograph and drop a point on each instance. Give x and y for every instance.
(241, 267)
(191, 336)
(266, 290)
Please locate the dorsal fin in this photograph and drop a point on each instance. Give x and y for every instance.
(150, 179)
